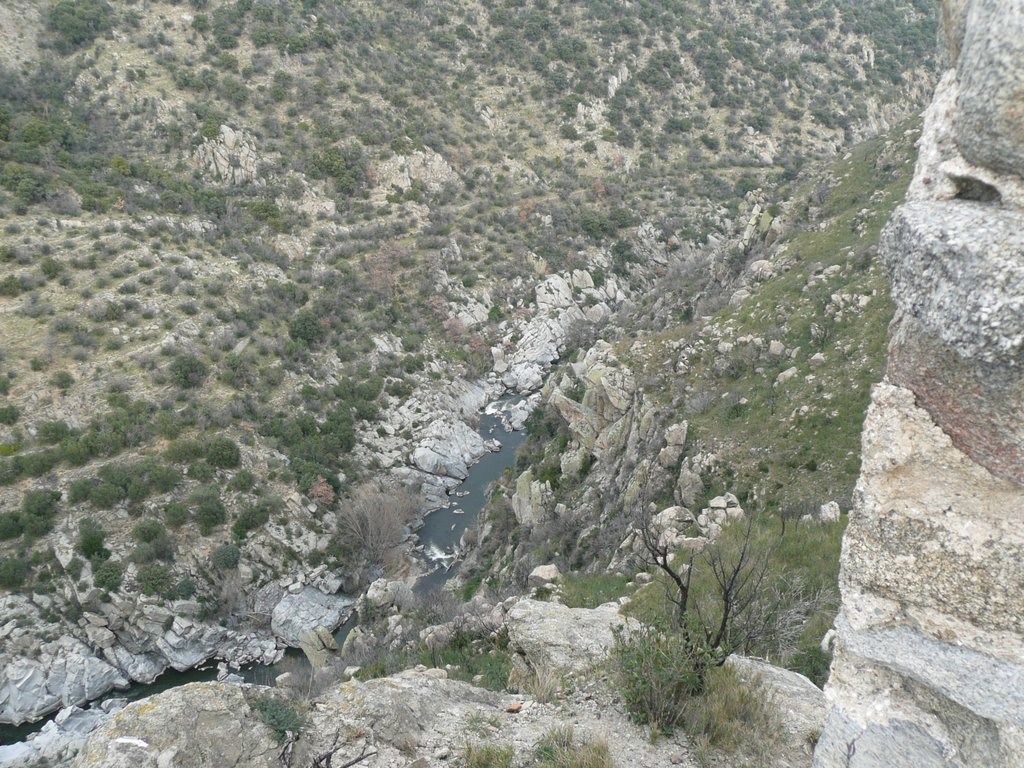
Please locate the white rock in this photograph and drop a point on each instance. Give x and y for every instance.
(544, 576)
(295, 614)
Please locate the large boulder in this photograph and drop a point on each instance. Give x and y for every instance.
(989, 122)
(544, 576)
(65, 672)
(551, 637)
(298, 613)
(200, 725)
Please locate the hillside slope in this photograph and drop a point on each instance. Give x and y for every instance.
(256, 255)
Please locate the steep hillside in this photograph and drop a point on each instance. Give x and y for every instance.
(756, 387)
(255, 255)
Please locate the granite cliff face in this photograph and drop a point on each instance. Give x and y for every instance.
(929, 667)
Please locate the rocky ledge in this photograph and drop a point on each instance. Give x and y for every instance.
(418, 717)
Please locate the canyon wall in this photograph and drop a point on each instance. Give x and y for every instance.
(929, 664)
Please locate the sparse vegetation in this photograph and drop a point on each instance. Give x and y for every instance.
(232, 278)
(280, 716)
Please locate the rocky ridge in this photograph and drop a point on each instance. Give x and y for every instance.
(417, 717)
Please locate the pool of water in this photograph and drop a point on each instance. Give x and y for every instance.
(440, 536)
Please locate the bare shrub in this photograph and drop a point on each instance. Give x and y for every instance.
(373, 521)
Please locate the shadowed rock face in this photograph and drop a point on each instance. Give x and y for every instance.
(929, 667)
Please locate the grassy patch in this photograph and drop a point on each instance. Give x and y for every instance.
(280, 716)
(732, 717)
(465, 656)
(488, 756)
(586, 590)
(560, 749)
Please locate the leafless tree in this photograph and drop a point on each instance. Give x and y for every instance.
(725, 596)
(373, 521)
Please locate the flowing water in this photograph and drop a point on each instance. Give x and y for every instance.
(440, 536)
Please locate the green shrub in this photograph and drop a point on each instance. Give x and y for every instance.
(62, 380)
(148, 531)
(37, 511)
(105, 495)
(51, 432)
(76, 23)
(188, 371)
(222, 452)
(183, 451)
(10, 526)
(9, 414)
(13, 572)
(253, 518)
(163, 478)
(185, 589)
(657, 675)
(155, 579)
(201, 471)
(306, 327)
(280, 716)
(91, 537)
(226, 557)
(176, 514)
(209, 510)
(244, 480)
(108, 575)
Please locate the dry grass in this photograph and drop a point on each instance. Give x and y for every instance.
(732, 718)
(488, 756)
(542, 684)
(560, 749)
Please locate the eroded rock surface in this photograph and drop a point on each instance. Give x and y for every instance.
(551, 637)
(929, 665)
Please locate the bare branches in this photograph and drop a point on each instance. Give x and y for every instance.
(325, 759)
(373, 521)
(658, 553)
(725, 594)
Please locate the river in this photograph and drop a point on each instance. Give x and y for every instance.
(440, 536)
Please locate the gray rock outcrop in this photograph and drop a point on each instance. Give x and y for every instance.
(130, 639)
(929, 663)
(299, 613)
(989, 122)
(200, 724)
(551, 637)
(229, 157)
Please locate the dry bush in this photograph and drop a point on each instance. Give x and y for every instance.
(542, 684)
(373, 521)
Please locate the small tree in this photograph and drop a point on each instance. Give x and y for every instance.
(188, 371)
(719, 618)
(373, 521)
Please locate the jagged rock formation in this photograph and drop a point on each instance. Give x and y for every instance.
(418, 717)
(230, 157)
(929, 668)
